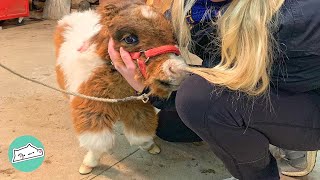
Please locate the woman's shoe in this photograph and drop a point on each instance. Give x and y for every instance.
(297, 163)
(294, 163)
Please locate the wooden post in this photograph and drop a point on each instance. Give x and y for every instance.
(56, 9)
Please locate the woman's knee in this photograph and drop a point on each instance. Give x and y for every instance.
(198, 101)
(192, 100)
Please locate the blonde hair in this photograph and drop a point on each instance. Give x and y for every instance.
(246, 42)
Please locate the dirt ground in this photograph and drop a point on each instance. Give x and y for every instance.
(30, 109)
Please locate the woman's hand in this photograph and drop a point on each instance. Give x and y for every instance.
(124, 65)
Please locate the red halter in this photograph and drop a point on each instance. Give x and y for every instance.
(152, 53)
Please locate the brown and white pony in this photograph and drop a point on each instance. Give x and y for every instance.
(149, 37)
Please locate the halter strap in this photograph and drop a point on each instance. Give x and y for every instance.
(152, 53)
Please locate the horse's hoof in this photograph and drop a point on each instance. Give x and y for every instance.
(83, 170)
(155, 149)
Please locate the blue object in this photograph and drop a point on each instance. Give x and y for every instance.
(204, 10)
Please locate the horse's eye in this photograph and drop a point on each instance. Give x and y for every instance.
(131, 39)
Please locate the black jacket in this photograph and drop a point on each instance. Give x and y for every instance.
(296, 68)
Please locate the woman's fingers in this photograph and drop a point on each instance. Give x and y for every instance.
(112, 52)
(127, 59)
(120, 60)
(124, 65)
(115, 56)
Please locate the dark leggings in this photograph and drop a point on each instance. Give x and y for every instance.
(239, 129)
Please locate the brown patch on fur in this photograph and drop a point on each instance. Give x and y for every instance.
(96, 116)
(60, 77)
(58, 38)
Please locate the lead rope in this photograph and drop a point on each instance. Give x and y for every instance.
(143, 97)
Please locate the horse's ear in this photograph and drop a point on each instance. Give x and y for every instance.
(160, 5)
(149, 2)
(110, 8)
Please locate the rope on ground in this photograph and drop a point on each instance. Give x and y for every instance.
(144, 97)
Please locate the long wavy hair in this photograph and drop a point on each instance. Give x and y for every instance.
(246, 42)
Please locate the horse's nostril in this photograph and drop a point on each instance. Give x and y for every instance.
(172, 70)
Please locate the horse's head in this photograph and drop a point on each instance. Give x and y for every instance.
(149, 38)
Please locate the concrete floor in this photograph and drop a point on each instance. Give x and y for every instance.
(30, 109)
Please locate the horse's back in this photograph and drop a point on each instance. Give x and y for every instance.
(72, 66)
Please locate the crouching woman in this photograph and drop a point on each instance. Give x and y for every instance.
(259, 83)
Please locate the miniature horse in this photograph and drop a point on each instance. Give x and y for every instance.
(149, 37)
